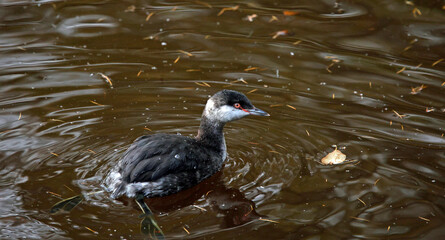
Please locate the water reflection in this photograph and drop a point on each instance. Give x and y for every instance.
(234, 207)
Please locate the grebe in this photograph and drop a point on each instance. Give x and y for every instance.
(162, 164)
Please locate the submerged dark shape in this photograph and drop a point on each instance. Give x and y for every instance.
(67, 204)
(162, 164)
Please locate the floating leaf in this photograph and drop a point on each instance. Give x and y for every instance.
(334, 157)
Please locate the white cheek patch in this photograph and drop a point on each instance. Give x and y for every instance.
(224, 113)
(228, 113)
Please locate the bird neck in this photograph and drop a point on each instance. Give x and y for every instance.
(211, 133)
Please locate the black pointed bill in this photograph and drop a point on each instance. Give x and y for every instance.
(257, 112)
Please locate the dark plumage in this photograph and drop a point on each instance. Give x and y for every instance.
(162, 164)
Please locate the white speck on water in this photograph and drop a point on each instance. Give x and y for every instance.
(163, 43)
(177, 156)
(278, 73)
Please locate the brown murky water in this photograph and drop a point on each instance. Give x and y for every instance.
(330, 73)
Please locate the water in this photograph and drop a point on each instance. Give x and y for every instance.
(335, 74)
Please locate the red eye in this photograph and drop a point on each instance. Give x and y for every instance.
(237, 105)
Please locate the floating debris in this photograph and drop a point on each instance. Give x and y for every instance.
(251, 69)
(273, 18)
(149, 16)
(437, 62)
(334, 157)
(91, 151)
(429, 109)
(96, 103)
(399, 115)
(276, 105)
(297, 42)
(55, 154)
(425, 219)
(307, 132)
(228, 9)
(328, 68)
(95, 232)
(139, 73)
(239, 80)
(106, 79)
(278, 145)
(290, 13)
(376, 181)
(177, 59)
(401, 70)
(68, 188)
(148, 129)
(204, 4)
(185, 229)
(54, 194)
(363, 202)
(20, 116)
(268, 220)
(193, 70)
(416, 12)
(200, 208)
(202, 84)
(252, 91)
(251, 17)
(186, 53)
(130, 8)
(407, 48)
(417, 90)
(280, 33)
(290, 106)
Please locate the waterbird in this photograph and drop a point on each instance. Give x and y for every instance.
(162, 164)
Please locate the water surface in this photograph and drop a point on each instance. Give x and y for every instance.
(330, 73)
